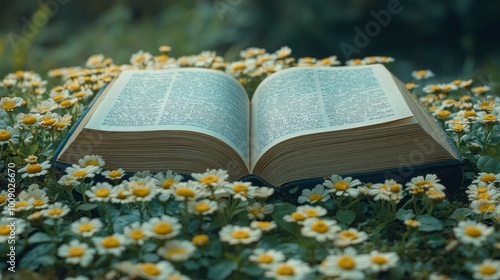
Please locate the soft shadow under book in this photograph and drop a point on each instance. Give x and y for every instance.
(301, 123)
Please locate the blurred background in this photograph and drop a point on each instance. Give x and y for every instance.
(453, 38)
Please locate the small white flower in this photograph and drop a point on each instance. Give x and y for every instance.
(263, 225)
(349, 237)
(263, 192)
(266, 258)
(347, 265)
(487, 270)
(111, 244)
(82, 172)
(86, 227)
(202, 207)
(177, 250)
(292, 269)
(76, 252)
(319, 193)
(342, 186)
(6, 228)
(135, 233)
(34, 169)
(239, 235)
(382, 261)
(213, 177)
(320, 229)
(56, 211)
(164, 227)
(101, 192)
(258, 211)
(114, 174)
(471, 232)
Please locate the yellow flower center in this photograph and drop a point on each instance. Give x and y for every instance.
(239, 66)
(65, 103)
(468, 114)
(297, 216)
(102, 192)
(486, 208)
(346, 262)
(5, 135)
(472, 231)
(80, 173)
(91, 162)
(2, 199)
(240, 234)
(174, 277)
(86, 227)
(141, 191)
(347, 234)
(265, 258)
(202, 207)
(488, 178)
(315, 197)
(48, 121)
(167, 183)
(482, 189)
(200, 239)
(115, 174)
(379, 259)
(58, 97)
(489, 118)
(4, 229)
(80, 94)
(484, 196)
(162, 228)
(38, 202)
(150, 269)
(185, 192)
(341, 186)
(20, 204)
(263, 224)
(285, 270)
(209, 179)
(320, 226)
(395, 188)
(136, 234)
(34, 168)
(421, 73)
(110, 242)
(29, 119)
(54, 211)
(240, 188)
(76, 251)
(487, 269)
(312, 213)
(9, 105)
(458, 127)
(121, 194)
(443, 114)
(170, 254)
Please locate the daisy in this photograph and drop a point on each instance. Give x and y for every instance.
(101, 192)
(5, 228)
(328, 61)
(68, 181)
(9, 134)
(154, 271)
(27, 121)
(176, 275)
(213, 177)
(487, 104)
(92, 160)
(140, 191)
(263, 225)
(304, 212)
(382, 261)
(349, 237)
(164, 227)
(135, 233)
(3, 197)
(34, 169)
(487, 270)
(111, 244)
(56, 210)
(20, 206)
(202, 207)
(487, 118)
(411, 86)
(389, 190)
(480, 191)
(435, 195)
(485, 206)
(48, 120)
(177, 250)
(291, 269)
(422, 74)
(167, 179)
(412, 223)
(471, 232)
(442, 114)
(190, 190)
(283, 52)
(80, 172)
(319, 193)
(348, 265)
(115, 174)
(263, 192)
(355, 61)
(241, 190)
(86, 227)
(120, 195)
(266, 258)
(480, 90)
(10, 103)
(239, 235)
(258, 210)
(487, 178)
(76, 253)
(342, 186)
(320, 229)
(458, 125)
(200, 240)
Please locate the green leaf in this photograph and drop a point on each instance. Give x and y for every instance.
(429, 223)
(150, 257)
(40, 237)
(39, 256)
(252, 270)
(221, 270)
(280, 210)
(460, 214)
(120, 222)
(488, 164)
(294, 190)
(86, 206)
(404, 214)
(345, 216)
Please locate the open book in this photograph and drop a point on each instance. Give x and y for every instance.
(304, 122)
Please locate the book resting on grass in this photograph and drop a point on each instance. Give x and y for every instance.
(301, 123)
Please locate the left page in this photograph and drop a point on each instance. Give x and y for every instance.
(199, 100)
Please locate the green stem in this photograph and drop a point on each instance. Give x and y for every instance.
(108, 215)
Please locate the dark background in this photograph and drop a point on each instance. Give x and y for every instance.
(455, 39)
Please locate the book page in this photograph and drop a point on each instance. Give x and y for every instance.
(199, 100)
(306, 100)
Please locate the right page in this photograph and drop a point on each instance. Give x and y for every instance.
(306, 100)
